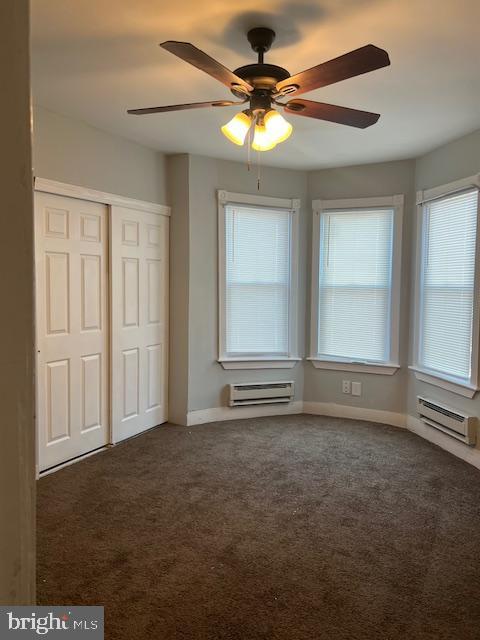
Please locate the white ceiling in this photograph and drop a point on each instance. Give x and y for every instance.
(93, 59)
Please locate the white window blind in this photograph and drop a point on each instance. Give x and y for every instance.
(447, 284)
(258, 257)
(355, 280)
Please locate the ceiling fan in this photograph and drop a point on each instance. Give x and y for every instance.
(263, 85)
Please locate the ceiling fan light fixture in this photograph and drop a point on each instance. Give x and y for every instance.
(277, 127)
(261, 84)
(237, 128)
(262, 141)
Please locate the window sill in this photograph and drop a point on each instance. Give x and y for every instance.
(383, 369)
(258, 363)
(465, 389)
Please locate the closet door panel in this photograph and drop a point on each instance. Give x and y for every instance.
(71, 250)
(139, 281)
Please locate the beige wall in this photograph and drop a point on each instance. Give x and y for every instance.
(386, 393)
(458, 159)
(195, 205)
(196, 375)
(178, 198)
(207, 379)
(17, 462)
(189, 183)
(74, 152)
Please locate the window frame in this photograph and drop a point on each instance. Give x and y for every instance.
(460, 386)
(389, 367)
(258, 361)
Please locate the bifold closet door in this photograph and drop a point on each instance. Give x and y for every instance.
(71, 241)
(139, 284)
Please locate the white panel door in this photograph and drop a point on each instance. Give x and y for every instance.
(72, 327)
(139, 268)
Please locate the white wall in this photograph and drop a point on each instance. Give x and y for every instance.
(194, 181)
(458, 159)
(17, 460)
(178, 198)
(71, 151)
(197, 380)
(189, 183)
(207, 379)
(386, 393)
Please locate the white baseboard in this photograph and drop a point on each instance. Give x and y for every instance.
(218, 414)
(355, 413)
(463, 451)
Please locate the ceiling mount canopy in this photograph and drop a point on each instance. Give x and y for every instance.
(264, 85)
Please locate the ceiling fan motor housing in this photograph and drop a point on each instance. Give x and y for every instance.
(260, 75)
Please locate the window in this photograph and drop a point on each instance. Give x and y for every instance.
(257, 277)
(356, 284)
(446, 340)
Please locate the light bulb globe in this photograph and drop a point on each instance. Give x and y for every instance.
(262, 141)
(237, 128)
(277, 127)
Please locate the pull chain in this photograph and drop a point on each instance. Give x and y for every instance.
(260, 121)
(258, 170)
(249, 152)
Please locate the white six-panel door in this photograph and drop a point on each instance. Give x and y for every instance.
(71, 245)
(139, 302)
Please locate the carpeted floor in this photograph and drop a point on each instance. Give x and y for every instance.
(289, 528)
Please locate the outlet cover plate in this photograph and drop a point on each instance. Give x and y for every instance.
(356, 388)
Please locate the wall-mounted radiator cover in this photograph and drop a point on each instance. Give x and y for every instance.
(450, 421)
(260, 393)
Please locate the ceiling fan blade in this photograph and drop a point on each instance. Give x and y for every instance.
(363, 60)
(181, 107)
(332, 113)
(204, 62)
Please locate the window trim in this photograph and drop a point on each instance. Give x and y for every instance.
(396, 202)
(466, 388)
(258, 361)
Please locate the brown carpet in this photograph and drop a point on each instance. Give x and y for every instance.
(289, 528)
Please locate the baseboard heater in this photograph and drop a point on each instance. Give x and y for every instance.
(262, 393)
(450, 421)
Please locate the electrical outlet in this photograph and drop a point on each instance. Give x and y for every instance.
(345, 386)
(356, 388)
